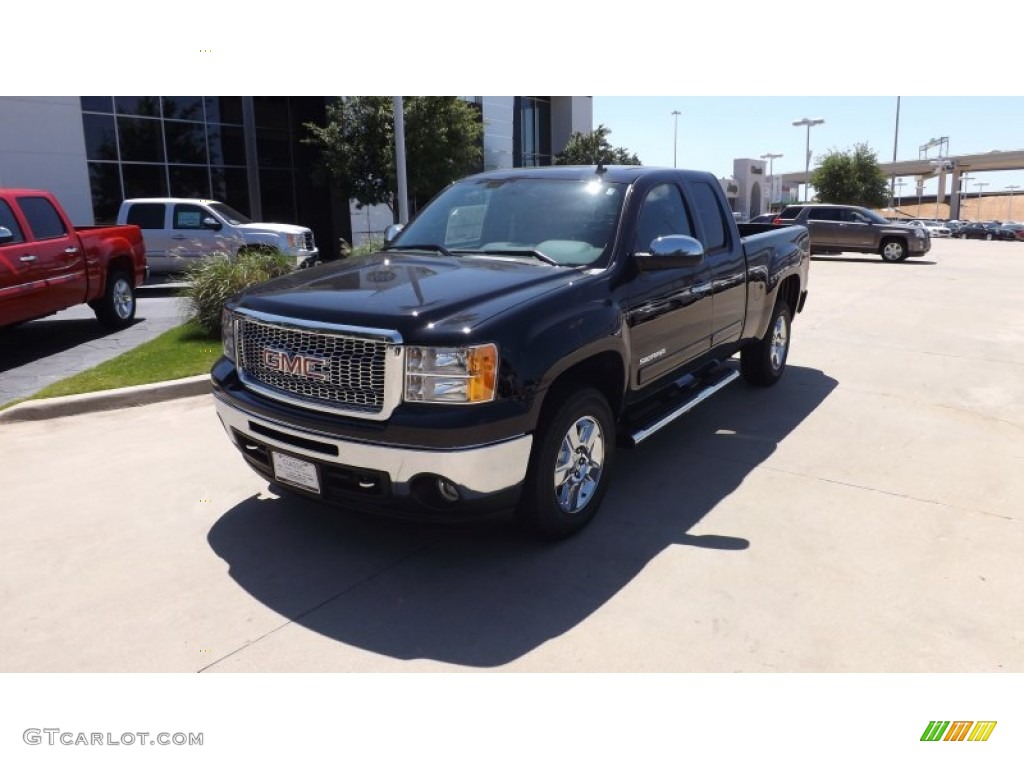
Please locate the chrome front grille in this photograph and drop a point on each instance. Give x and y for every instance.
(307, 241)
(318, 366)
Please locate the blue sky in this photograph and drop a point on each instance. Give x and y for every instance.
(713, 130)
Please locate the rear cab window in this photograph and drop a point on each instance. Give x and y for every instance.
(42, 218)
(146, 215)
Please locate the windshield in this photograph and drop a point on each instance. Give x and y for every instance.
(232, 216)
(570, 222)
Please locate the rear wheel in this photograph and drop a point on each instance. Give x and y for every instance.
(570, 466)
(763, 362)
(988, 235)
(117, 307)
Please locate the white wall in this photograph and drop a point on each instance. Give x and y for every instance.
(570, 114)
(42, 146)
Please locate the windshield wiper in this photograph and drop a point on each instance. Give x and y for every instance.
(517, 252)
(424, 247)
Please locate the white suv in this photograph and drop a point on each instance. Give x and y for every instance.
(178, 231)
(935, 228)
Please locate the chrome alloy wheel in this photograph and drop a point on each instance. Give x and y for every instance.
(780, 343)
(579, 464)
(122, 298)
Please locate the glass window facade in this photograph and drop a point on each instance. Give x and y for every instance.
(189, 146)
(532, 131)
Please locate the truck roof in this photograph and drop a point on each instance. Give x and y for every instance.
(616, 173)
(170, 200)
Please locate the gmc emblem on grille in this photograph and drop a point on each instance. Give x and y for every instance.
(298, 365)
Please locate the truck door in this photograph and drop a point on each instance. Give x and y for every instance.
(191, 238)
(668, 311)
(860, 229)
(56, 253)
(151, 218)
(17, 272)
(723, 254)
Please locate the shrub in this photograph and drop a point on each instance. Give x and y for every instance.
(213, 281)
(368, 248)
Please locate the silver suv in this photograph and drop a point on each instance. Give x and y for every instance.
(837, 228)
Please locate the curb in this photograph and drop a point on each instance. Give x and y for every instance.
(107, 400)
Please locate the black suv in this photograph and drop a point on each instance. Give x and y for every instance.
(837, 228)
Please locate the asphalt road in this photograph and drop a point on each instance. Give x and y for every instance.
(863, 515)
(37, 354)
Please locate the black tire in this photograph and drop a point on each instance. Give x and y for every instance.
(574, 443)
(893, 249)
(988, 235)
(117, 307)
(763, 362)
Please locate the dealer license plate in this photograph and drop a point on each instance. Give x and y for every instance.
(296, 471)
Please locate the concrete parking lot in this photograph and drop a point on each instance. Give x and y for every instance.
(863, 515)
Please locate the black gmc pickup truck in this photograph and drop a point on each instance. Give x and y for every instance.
(498, 350)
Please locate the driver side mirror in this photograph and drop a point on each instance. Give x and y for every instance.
(211, 223)
(392, 232)
(6, 236)
(671, 252)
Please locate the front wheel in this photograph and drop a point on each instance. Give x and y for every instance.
(894, 250)
(117, 307)
(763, 362)
(570, 466)
(988, 235)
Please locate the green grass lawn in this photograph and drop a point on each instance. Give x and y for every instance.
(180, 352)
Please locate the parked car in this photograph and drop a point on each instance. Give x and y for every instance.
(179, 231)
(837, 228)
(47, 264)
(984, 231)
(1017, 230)
(935, 228)
(494, 355)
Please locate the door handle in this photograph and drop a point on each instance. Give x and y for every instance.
(178, 237)
(28, 258)
(71, 251)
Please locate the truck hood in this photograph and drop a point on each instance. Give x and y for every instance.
(420, 296)
(260, 228)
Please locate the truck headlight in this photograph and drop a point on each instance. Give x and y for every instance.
(451, 374)
(920, 233)
(227, 333)
(295, 241)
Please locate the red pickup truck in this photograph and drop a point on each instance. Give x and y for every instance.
(47, 265)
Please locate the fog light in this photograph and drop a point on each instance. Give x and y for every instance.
(447, 490)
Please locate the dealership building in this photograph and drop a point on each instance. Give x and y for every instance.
(95, 151)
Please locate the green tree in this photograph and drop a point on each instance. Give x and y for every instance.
(594, 147)
(443, 142)
(852, 178)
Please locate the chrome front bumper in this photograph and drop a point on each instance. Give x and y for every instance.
(477, 471)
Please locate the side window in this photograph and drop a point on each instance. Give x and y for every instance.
(855, 217)
(663, 213)
(7, 220)
(188, 216)
(42, 217)
(824, 214)
(711, 216)
(147, 215)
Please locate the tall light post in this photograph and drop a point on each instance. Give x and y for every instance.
(980, 185)
(900, 185)
(963, 193)
(810, 122)
(770, 157)
(1011, 189)
(675, 135)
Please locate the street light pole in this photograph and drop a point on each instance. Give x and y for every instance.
(980, 185)
(900, 184)
(770, 157)
(810, 122)
(675, 135)
(1009, 212)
